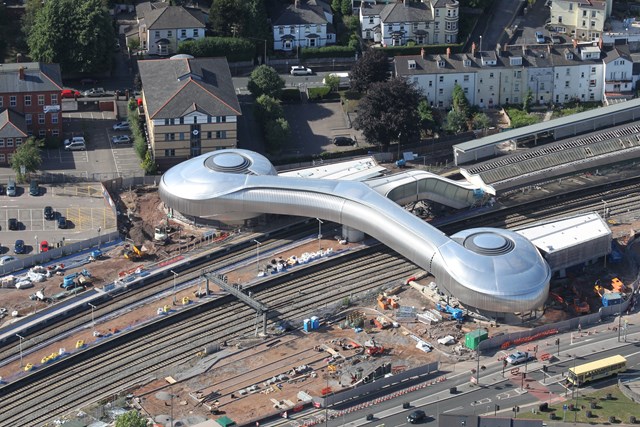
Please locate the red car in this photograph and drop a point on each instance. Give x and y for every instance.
(44, 246)
(70, 93)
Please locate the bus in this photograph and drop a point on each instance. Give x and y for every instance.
(595, 370)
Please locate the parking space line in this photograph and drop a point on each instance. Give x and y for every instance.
(113, 153)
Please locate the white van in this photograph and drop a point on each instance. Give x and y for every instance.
(76, 146)
(345, 82)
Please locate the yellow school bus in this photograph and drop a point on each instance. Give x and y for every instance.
(595, 370)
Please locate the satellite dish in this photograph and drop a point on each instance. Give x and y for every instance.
(195, 132)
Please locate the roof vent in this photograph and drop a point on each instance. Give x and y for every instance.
(488, 243)
(229, 162)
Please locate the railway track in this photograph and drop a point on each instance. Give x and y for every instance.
(119, 368)
(138, 359)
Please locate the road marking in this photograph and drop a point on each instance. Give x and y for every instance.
(389, 412)
(454, 409)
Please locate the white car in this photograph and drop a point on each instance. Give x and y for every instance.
(299, 70)
(518, 357)
(7, 259)
(74, 139)
(121, 139)
(539, 37)
(121, 126)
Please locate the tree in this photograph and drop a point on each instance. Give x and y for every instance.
(148, 165)
(131, 419)
(345, 8)
(389, 112)
(527, 101)
(268, 109)
(459, 100)
(370, 68)
(4, 27)
(455, 122)
(276, 133)
(332, 81)
(265, 80)
(27, 155)
(76, 34)
(426, 115)
(481, 121)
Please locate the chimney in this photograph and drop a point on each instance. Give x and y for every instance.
(473, 49)
(296, 4)
(600, 42)
(575, 43)
(549, 49)
(423, 53)
(449, 52)
(21, 73)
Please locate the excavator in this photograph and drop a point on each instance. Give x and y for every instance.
(133, 253)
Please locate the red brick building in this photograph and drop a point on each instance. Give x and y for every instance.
(31, 93)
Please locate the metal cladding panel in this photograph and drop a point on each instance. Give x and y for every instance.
(490, 269)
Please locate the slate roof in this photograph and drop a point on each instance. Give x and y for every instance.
(161, 16)
(175, 87)
(12, 124)
(307, 12)
(619, 51)
(411, 12)
(372, 9)
(39, 77)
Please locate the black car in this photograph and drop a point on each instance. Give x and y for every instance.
(49, 213)
(13, 224)
(343, 141)
(19, 247)
(62, 222)
(416, 416)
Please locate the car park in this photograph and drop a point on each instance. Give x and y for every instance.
(416, 416)
(7, 259)
(19, 247)
(539, 37)
(121, 126)
(121, 139)
(518, 357)
(343, 141)
(62, 222)
(13, 224)
(1, 189)
(76, 146)
(74, 139)
(96, 92)
(11, 188)
(70, 93)
(299, 70)
(49, 213)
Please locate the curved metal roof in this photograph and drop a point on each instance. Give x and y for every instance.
(491, 269)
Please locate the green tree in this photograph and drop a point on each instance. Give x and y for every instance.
(426, 114)
(31, 8)
(226, 17)
(76, 34)
(336, 6)
(133, 43)
(459, 100)
(455, 122)
(276, 134)
(256, 22)
(4, 27)
(27, 155)
(389, 112)
(267, 109)
(148, 165)
(131, 419)
(265, 80)
(332, 81)
(481, 121)
(345, 8)
(527, 101)
(371, 67)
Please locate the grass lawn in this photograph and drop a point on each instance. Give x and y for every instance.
(619, 406)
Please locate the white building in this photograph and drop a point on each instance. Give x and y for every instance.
(305, 23)
(580, 19)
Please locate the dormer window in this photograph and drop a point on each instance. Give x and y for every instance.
(515, 60)
(466, 62)
(412, 64)
(568, 54)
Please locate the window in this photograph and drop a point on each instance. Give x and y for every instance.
(280, 30)
(466, 78)
(9, 157)
(593, 23)
(430, 83)
(221, 134)
(166, 122)
(437, 25)
(584, 13)
(440, 91)
(42, 133)
(566, 84)
(183, 34)
(181, 120)
(170, 137)
(516, 87)
(593, 70)
(221, 119)
(307, 29)
(592, 83)
(209, 133)
(13, 101)
(157, 34)
(490, 75)
(54, 99)
(1, 158)
(27, 100)
(292, 29)
(40, 99)
(318, 29)
(415, 26)
(18, 142)
(441, 79)
(371, 20)
(593, 13)
(541, 85)
(582, 75)
(181, 136)
(170, 153)
(570, 6)
(1, 142)
(437, 12)
(9, 142)
(390, 27)
(1, 101)
(41, 119)
(568, 72)
(518, 74)
(466, 90)
(54, 118)
(55, 132)
(169, 33)
(195, 32)
(28, 118)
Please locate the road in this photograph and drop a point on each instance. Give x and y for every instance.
(315, 79)
(506, 392)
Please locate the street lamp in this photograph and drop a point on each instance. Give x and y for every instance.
(93, 319)
(174, 286)
(319, 233)
(480, 44)
(21, 338)
(258, 244)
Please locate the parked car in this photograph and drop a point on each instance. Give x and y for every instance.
(49, 213)
(44, 246)
(19, 247)
(11, 188)
(121, 126)
(299, 70)
(343, 141)
(416, 416)
(539, 37)
(518, 357)
(34, 188)
(76, 146)
(7, 259)
(74, 139)
(62, 222)
(121, 139)
(96, 92)
(13, 224)
(70, 93)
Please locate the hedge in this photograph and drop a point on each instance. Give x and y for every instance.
(235, 49)
(290, 95)
(327, 52)
(316, 93)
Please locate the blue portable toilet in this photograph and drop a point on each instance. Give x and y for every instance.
(306, 325)
(315, 322)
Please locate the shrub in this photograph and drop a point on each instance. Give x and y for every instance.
(235, 49)
(290, 95)
(520, 118)
(317, 93)
(327, 52)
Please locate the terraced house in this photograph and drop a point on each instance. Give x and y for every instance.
(580, 19)
(395, 23)
(190, 107)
